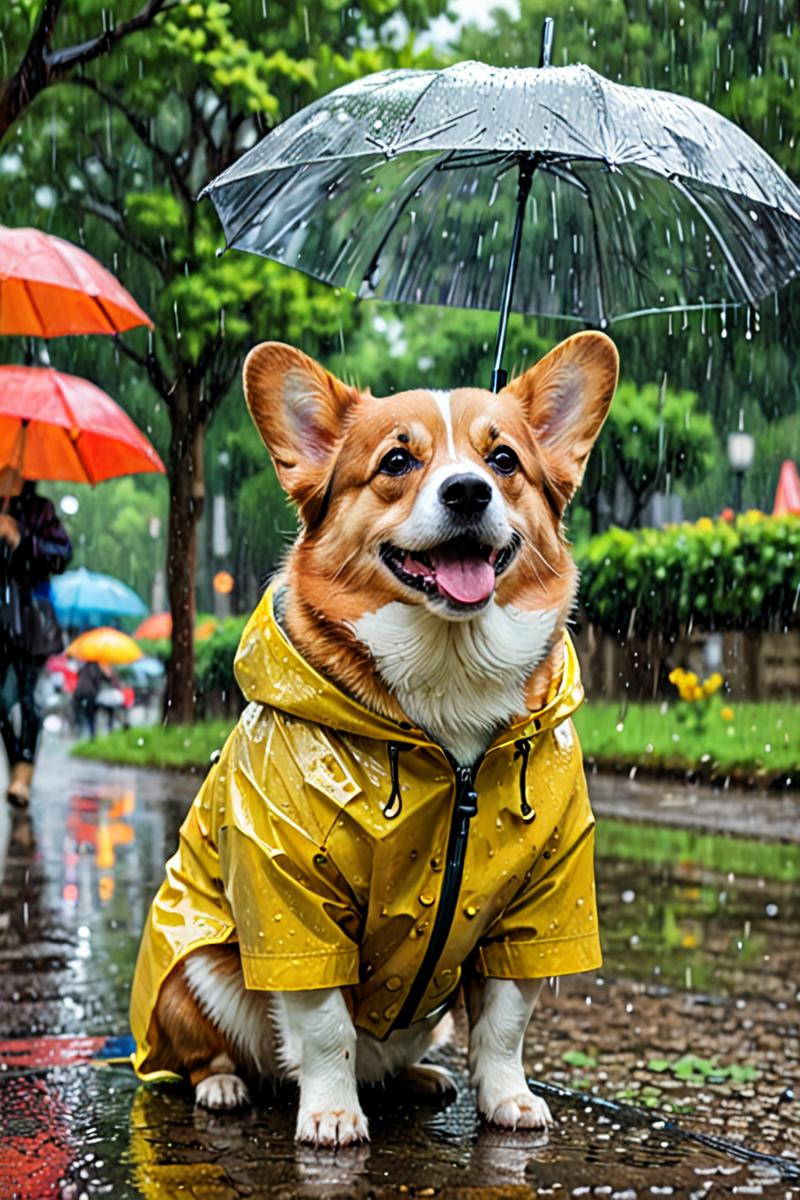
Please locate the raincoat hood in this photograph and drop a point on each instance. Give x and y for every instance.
(342, 849)
(270, 670)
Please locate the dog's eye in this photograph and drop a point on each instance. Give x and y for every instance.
(503, 460)
(397, 462)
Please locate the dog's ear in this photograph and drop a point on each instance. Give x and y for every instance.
(567, 396)
(299, 409)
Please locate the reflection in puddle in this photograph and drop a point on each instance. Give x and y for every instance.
(701, 955)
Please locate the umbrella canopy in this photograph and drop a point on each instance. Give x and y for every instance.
(49, 288)
(58, 426)
(104, 645)
(154, 628)
(415, 185)
(787, 494)
(85, 597)
(159, 626)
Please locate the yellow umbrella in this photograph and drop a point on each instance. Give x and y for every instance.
(105, 645)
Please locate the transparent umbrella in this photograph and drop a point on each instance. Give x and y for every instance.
(432, 187)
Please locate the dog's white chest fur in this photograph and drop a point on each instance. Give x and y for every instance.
(461, 681)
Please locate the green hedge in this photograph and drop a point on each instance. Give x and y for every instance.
(214, 659)
(716, 575)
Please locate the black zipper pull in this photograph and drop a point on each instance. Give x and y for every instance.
(466, 796)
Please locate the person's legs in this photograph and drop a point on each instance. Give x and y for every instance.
(28, 674)
(90, 712)
(7, 732)
(26, 671)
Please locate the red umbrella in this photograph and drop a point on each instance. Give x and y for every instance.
(49, 288)
(58, 426)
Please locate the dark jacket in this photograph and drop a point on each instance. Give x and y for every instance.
(26, 618)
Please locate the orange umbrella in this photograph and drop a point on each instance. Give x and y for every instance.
(154, 628)
(159, 626)
(104, 645)
(58, 426)
(50, 288)
(787, 495)
(204, 630)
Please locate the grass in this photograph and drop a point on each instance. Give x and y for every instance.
(187, 747)
(762, 741)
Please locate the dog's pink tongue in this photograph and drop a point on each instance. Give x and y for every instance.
(463, 577)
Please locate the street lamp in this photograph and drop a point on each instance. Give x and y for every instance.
(741, 450)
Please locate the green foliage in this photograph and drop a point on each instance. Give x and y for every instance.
(651, 435)
(577, 1058)
(113, 529)
(712, 574)
(214, 658)
(690, 1068)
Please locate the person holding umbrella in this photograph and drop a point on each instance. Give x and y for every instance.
(33, 546)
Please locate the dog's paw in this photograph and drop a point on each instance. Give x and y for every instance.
(333, 1127)
(220, 1092)
(523, 1111)
(428, 1080)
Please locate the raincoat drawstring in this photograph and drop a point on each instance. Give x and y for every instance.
(394, 805)
(522, 750)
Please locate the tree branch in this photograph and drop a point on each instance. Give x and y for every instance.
(149, 363)
(140, 127)
(41, 68)
(62, 61)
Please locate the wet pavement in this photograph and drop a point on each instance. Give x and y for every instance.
(659, 1068)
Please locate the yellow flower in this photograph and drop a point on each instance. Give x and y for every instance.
(705, 524)
(676, 675)
(727, 713)
(690, 678)
(712, 684)
(697, 692)
(753, 516)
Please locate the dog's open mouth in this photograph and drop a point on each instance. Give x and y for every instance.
(462, 571)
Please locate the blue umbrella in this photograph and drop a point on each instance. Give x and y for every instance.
(85, 598)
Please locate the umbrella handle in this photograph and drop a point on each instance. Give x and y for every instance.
(548, 33)
(19, 453)
(526, 168)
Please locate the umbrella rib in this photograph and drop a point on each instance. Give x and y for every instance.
(251, 217)
(27, 289)
(596, 239)
(107, 316)
(409, 117)
(726, 254)
(373, 262)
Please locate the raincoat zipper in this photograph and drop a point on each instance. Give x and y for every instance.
(465, 808)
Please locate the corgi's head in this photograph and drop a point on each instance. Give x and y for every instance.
(440, 507)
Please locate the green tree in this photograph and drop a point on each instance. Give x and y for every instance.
(119, 528)
(652, 437)
(134, 139)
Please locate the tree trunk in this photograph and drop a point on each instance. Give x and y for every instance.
(186, 491)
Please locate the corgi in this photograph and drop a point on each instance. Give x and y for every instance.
(402, 809)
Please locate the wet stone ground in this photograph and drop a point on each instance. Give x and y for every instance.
(684, 1047)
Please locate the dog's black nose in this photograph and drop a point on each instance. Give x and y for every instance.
(467, 495)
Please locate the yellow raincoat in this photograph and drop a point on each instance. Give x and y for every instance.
(341, 849)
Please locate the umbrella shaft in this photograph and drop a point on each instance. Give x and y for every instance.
(526, 168)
